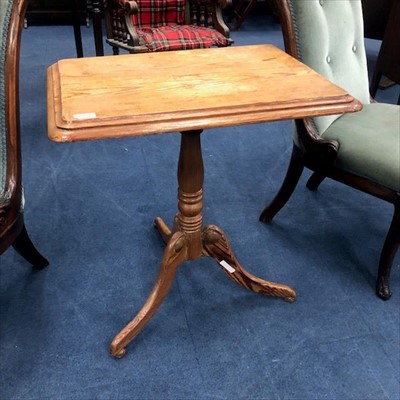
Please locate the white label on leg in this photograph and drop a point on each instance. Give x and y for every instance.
(227, 266)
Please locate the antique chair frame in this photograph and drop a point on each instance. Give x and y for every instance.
(318, 155)
(122, 34)
(12, 226)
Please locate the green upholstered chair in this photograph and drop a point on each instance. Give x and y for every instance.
(12, 227)
(361, 150)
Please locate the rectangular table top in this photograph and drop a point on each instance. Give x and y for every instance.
(139, 94)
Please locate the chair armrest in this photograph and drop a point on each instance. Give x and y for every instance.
(320, 153)
(119, 27)
(130, 6)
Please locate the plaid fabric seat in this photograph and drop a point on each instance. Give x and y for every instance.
(180, 37)
(161, 27)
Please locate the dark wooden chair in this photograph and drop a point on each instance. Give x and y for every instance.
(158, 25)
(12, 227)
(388, 62)
(360, 150)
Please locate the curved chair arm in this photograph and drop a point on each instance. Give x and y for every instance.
(131, 8)
(219, 20)
(119, 27)
(319, 153)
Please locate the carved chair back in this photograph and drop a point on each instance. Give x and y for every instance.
(12, 227)
(10, 176)
(10, 165)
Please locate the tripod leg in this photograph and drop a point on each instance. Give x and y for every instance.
(163, 229)
(216, 245)
(174, 255)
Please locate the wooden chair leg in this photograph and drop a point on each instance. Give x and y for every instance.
(293, 174)
(76, 16)
(97, 28)
(389, 251)
(24, 246)
(315, 180)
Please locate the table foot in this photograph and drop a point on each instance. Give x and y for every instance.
(174, 255)
(216, 245)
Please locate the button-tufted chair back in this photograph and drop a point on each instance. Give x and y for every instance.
(360, 149)
(330, 39)
(5, 12)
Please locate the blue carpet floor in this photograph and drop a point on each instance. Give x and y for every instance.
(90, 209)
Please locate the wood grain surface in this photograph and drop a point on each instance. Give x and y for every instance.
(139, 94)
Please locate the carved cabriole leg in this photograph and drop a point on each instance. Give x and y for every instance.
(292, 177)
(216, 245)
(174, 255)
(389, 251)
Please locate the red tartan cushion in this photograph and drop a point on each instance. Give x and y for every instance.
(159, 12)
(181, 37)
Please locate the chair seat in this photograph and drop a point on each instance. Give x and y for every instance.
(370, 143)
(180, 37)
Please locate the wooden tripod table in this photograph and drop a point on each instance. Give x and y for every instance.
(186, 91)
